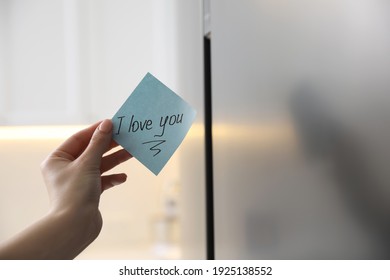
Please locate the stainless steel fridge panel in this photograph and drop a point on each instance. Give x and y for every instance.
(300, 128)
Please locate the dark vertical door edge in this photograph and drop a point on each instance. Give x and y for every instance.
(209, 151)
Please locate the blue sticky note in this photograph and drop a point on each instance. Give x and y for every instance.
(152, 123)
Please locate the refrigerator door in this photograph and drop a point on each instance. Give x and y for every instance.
(301, 111)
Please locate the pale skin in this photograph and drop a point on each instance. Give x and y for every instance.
(74, 180)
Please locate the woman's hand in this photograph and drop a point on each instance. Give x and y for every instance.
(73, 176)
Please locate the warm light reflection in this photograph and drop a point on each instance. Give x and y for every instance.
(261, 132)
(265, 131)
(38, 132)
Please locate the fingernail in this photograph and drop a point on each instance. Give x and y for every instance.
(105, 126)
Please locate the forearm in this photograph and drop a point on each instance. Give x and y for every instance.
(51, 237)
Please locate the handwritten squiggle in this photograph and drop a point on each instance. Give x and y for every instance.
(153, 148)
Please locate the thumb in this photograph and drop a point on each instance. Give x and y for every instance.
(99, 143)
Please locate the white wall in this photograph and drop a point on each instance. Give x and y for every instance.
(75, 61)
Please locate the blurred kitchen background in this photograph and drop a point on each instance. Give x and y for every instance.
(288, 157)
(67, 63)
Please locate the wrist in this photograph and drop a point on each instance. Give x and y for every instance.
(78, 228)
(58, 235)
